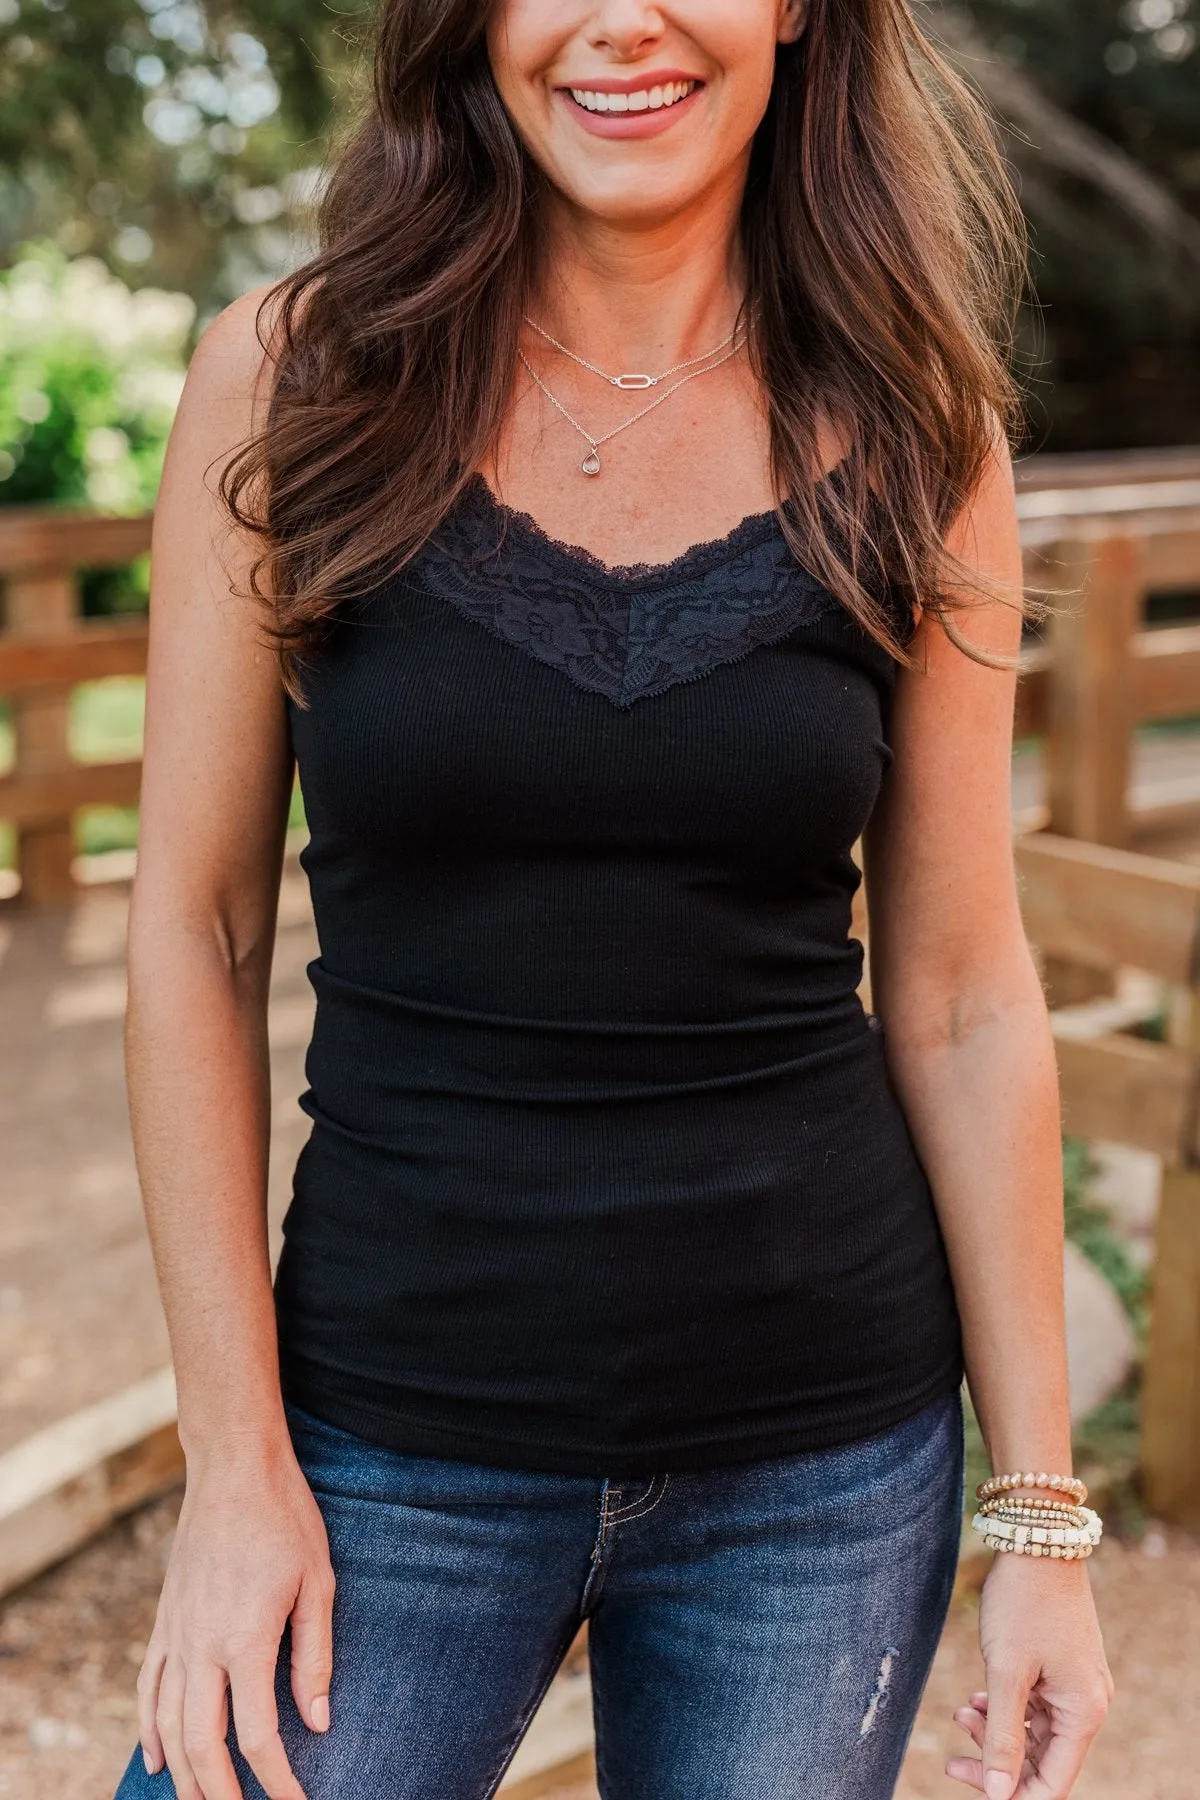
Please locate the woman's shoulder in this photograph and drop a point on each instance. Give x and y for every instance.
(232, 366)
(240, 349)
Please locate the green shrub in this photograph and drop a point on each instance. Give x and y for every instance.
(90, 376)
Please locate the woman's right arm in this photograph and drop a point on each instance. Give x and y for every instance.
(250, 1551)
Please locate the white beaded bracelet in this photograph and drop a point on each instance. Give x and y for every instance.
(1065, 1542)
(1066, 1553)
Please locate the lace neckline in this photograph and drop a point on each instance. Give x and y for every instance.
(697, 560)
(626, 633)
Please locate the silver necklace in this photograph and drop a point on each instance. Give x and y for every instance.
(591, 464)
(631, 381)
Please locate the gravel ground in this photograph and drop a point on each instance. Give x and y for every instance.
(70, 1644)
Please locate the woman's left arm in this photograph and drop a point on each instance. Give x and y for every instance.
(970, 1052)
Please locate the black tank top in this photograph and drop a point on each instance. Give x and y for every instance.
(606, 1175)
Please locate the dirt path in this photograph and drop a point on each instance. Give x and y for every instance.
(70, 1644)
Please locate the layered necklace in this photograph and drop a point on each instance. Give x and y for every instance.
(632, 382)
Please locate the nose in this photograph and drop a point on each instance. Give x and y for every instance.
(626, 27)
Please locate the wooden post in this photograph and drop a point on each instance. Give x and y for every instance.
(1170, 1448)
(1092, 691)
(1091, 714)
(43, 604)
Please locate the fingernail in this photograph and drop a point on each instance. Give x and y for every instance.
(997, 1785)
(148, 1762)
(320, 1713)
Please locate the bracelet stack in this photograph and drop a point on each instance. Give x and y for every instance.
(1031, 1524)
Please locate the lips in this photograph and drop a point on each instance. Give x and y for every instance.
(635, 107)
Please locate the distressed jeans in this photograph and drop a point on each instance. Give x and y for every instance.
(763, 1630)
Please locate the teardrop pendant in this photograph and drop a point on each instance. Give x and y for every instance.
(591, 463)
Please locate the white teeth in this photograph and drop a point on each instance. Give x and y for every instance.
(643, 100)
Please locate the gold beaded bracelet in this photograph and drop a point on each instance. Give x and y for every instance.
(1062, 1484)
(1076, 1516)
(1029, 1503)
(1035, 1502)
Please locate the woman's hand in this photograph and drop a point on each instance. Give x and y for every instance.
(1048, 1685)
(250, 1552)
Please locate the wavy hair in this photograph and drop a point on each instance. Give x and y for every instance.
(884, 252)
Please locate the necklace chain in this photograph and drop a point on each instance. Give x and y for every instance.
(591, 464)
(630, 381)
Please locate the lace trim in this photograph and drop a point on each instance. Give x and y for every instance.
(506, 521)
(628, 632)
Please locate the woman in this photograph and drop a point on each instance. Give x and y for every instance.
(616, 482)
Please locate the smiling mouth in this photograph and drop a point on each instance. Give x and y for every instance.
(652, 99)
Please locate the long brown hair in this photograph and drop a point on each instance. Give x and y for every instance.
(884, 253)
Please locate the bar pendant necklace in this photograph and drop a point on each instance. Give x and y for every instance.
(591, 464)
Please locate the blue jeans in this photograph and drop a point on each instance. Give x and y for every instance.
(762, 1630)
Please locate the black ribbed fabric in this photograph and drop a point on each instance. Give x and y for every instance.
(606, 1174)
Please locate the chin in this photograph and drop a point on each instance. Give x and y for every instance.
(638, 199)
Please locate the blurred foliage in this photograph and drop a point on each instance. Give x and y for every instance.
(90, 376)
(183, 141)
(1120, 329)
(179, 139)
(1129, 68)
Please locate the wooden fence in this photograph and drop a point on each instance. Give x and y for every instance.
(1100, 672)
(1119, 910)
(45, 650)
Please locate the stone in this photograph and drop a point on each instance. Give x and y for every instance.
(1101, 1346)
(1127, 1183)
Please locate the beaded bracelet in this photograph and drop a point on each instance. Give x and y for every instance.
(1024, 1503)
(994, 1520)
(1070, 1542)
(1062, 1484)
(1067, 1554)
(1036, 1510)
(1032, 1502)
(1082, 1519)
(1015, 1512)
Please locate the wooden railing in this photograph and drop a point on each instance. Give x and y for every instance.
(45, 650)
(1100, 672)
(1104, 468)
(1119, 910)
